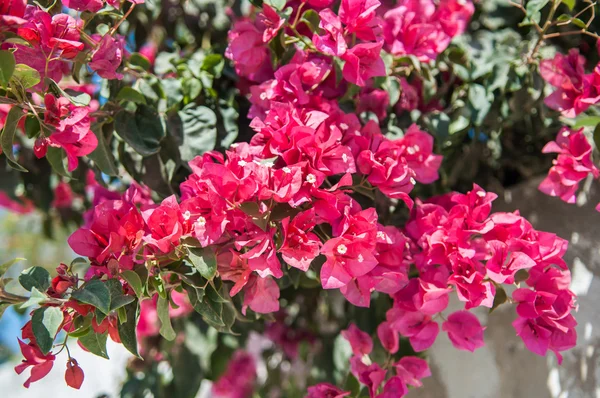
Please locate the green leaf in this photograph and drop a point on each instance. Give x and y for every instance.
(95, 343)
(533, 9)
(7, 67)
(36, 277)
(277, 4)
(138, 59)
(26, 76)
(95, 293)
(166, 329)
(199, 131)
(521, 275)
(311, 19)
(35, 298)
(8, 136)
(127, 329)
(479, 103)
(45, 323)
(213, 63)
(579, 23)
(77, 99)
(143, 131)
(130, 94)
(352, 385)
(5, 266)
(56, 156)
(102, 156)
(586, 121)
(117, 298)
(597, 137)
(210, 311)
(32, 126)
(134, 280)
(499, 299)
(569, 3)
(204, 260)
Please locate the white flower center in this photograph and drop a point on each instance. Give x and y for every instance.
(286, 170)
(187, 215)
(242, 163)
(381, 234)
(360, 258)
(481, 194)
(311, 179)
(201, 221)
(412, 181)
(342, 249)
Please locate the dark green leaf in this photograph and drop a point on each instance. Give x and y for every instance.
(138, 59)
(166, 329)
(127, 329)
(521, 275)
(96, 293)
(36, 277)
(204, 260)
(56, 157)
(95, 343)
(311, 19)
(534, 8)
(134, 280)
(102, 155)
(8, 137)
(32, 126)
(130, 94)
(45, 323)
(7, 67)
(143, 130)
(500, 298)
(597, 136)
(117, 298)
(199, 131)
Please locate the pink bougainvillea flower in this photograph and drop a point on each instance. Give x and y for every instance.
(504, 262)
(464, 330)
(11, 13)
(300, 246)
(575, 90)
(326, 390)
(535, 336)
(360, 341)
(333, 41)
(248, 51)
(239, 377)
(388, 337)
(107, 57)
(164, 224)
(74, 375)
(376, 101)
(40, 364)
(363, 61)
(422, 29)
(370, 375)
(572, 165)
(420, 329)
(359, 18)
(261, 295)
(395, 387)
(412, 369)
(272, 21)
(84, 5)
(346, 259)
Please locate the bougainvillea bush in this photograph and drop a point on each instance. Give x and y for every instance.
(279, 198)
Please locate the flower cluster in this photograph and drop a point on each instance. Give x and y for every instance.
(575, 90)
(304, 200)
